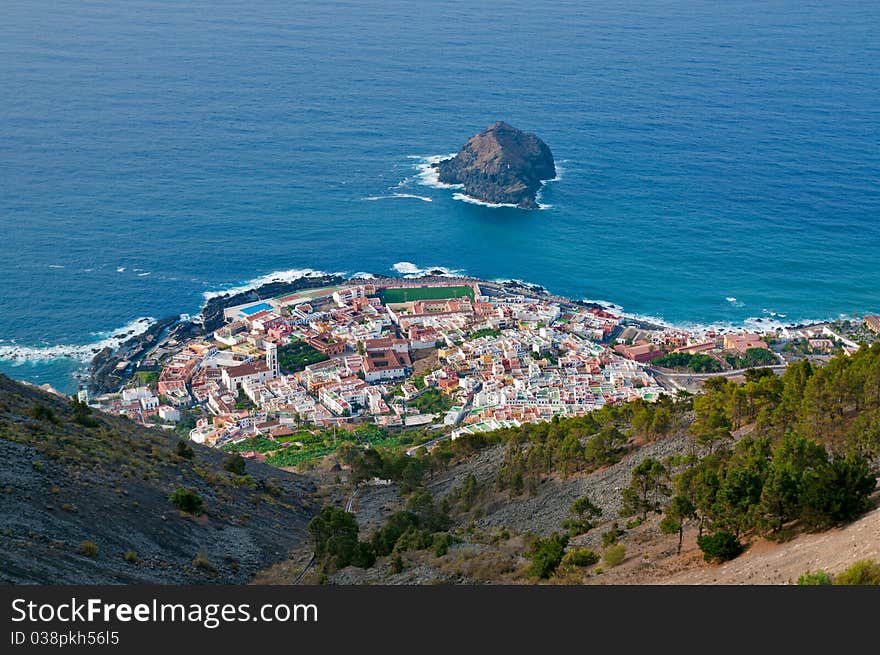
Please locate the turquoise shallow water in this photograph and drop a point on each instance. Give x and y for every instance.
(721, 161)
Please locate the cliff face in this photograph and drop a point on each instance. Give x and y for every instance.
(501, 164)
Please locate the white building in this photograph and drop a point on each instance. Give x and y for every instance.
(235, 376)
(136, 394)
(150, 402)
(169, 413)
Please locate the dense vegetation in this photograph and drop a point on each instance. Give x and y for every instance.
(431, 401)
(566, 446)
(546, 555)
(754, 357)
(335, 535)
(807, 460)
(320, 442)
(698, 363)
(296, 355)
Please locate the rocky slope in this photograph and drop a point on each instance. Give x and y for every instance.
(501, 165)
(494, 538)
(67, 479)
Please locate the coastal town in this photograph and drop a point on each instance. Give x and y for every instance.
(447, 356)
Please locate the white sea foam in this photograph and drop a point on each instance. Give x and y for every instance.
(410, 270)
(278, 276)
(406, 268)
(770, 312)
(85, 352)
(121, 269)
(55, 266)
(474, 201)
(143, 274)
(400, 195)
(559, 172)
(733, 301)
(427, 175)
(361, 275)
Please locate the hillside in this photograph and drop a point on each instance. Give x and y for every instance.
(758, 482)
(767, 562)
(72, 476)
(495, 537)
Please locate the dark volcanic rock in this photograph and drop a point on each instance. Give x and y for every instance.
(501, 164)
(104, 377)
(108, 481)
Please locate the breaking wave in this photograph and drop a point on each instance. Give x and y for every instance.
(400, 195)
(410, 270)
(291, 275)
(427, 175)
(11, 351)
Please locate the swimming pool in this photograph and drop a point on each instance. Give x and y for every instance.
(253, 309)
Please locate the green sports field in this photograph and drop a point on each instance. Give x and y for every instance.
(424, 293)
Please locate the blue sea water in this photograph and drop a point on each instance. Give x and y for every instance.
(720, 161)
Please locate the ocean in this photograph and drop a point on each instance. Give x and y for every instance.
(719, 162)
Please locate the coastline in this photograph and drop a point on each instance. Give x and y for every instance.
(99, 374)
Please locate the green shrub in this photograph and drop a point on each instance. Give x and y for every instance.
(187, 500)
(385, 539)
(88, 548)
(184, 450)
(719, 547)
(414, 539)
(130, 556)
(234, 464)
(43, 413)
(814, 578)
(614, 555)
(335, 535)
(397, 564)
(609, 537)
(441, 544)
(863, 572)
(580, 557)
(546, 555)
(81, 414)
(364, 557)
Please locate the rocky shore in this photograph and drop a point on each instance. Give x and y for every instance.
(105, 373)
